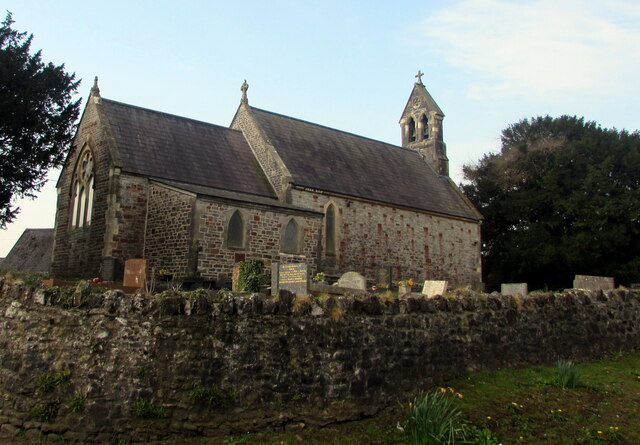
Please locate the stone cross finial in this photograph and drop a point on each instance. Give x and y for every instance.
(95, 91)
(419, 77)
(244, 88)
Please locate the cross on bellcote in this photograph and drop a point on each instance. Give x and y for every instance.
(419, 76)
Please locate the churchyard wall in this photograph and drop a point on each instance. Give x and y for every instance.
(264, 230)
(418, 245)
(205, 364)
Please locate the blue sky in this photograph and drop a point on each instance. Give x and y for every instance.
(348, 65)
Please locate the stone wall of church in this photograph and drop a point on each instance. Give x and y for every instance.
(78, 251)
(168, 233)
(266, 154)
(263, 226)
(124, 238)
(417, 245)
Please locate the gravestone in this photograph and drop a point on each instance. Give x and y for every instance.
(135, 272)
(514, 288)
(291, 277)
(384, 277)
(589, 282)
(352, 280)
(235, 273)
(431, 288)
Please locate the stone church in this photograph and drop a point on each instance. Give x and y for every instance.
(195, 198)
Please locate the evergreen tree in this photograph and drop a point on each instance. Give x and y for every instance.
(561, 198)
(37, 118)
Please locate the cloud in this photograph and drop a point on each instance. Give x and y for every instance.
(540, 49)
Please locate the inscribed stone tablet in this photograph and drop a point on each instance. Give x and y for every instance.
(352, 280)
(294, 278)
(235, 274)
(514, 288)
(432, 288)
(135, 272)
(593, 283)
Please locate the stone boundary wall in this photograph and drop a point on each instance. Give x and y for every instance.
(207, 364)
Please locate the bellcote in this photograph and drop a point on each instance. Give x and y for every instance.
(421, 127)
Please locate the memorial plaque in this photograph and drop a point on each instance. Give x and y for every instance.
(514, 288)
(352, 280)
(384, 277)
(135, 272)
(589, 282)
(431, 288)
(291, 277)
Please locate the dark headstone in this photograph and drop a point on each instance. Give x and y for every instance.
(384, 277)
(593, 283)
(291, 277)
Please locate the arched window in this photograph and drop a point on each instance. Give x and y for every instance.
(412, 130)
(82, 191)
(330, 230)
(235, 231)
(425, 127)
(290, 240)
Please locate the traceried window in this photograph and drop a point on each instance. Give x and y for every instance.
(82, 191)
(290, 240)
(425, 127)
(330, 230)
(235, 231)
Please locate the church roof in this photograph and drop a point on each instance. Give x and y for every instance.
(31, 252)
(335, 161)
(166, 146)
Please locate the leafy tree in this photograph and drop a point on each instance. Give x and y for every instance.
(37, 118)
(561, 198)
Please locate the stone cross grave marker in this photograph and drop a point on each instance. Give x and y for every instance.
(593, 283)
(352, 280)
(431, 288)
(383, 277)
(292, 277)
(135, 272)
(514, 288)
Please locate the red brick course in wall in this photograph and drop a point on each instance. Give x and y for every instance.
(418, 245)
(185, 230)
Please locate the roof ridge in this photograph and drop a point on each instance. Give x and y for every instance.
(333, 129)
(197, 121)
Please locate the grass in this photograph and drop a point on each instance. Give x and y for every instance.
(509, 406)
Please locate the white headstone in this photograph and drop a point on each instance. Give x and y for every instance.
(352, 280)
(590, 282)
(432, 288)
(514, 288)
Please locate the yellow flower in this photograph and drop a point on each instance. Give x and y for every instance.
(460, 396)
(451, 390)
(514, 403)
(410, 282)
(599, 432)
(443, 390)
(488, 417)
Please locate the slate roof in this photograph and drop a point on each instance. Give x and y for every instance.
(31, 252)
(335, 161)
(156, 144)
(235, 196)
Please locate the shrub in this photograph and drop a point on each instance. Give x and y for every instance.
(76, 402)
(145, 409)
(45, 412)
(250, 275)
(568, 376)
(433, 420)
(212, 396)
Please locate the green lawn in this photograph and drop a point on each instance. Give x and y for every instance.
(517, 405)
